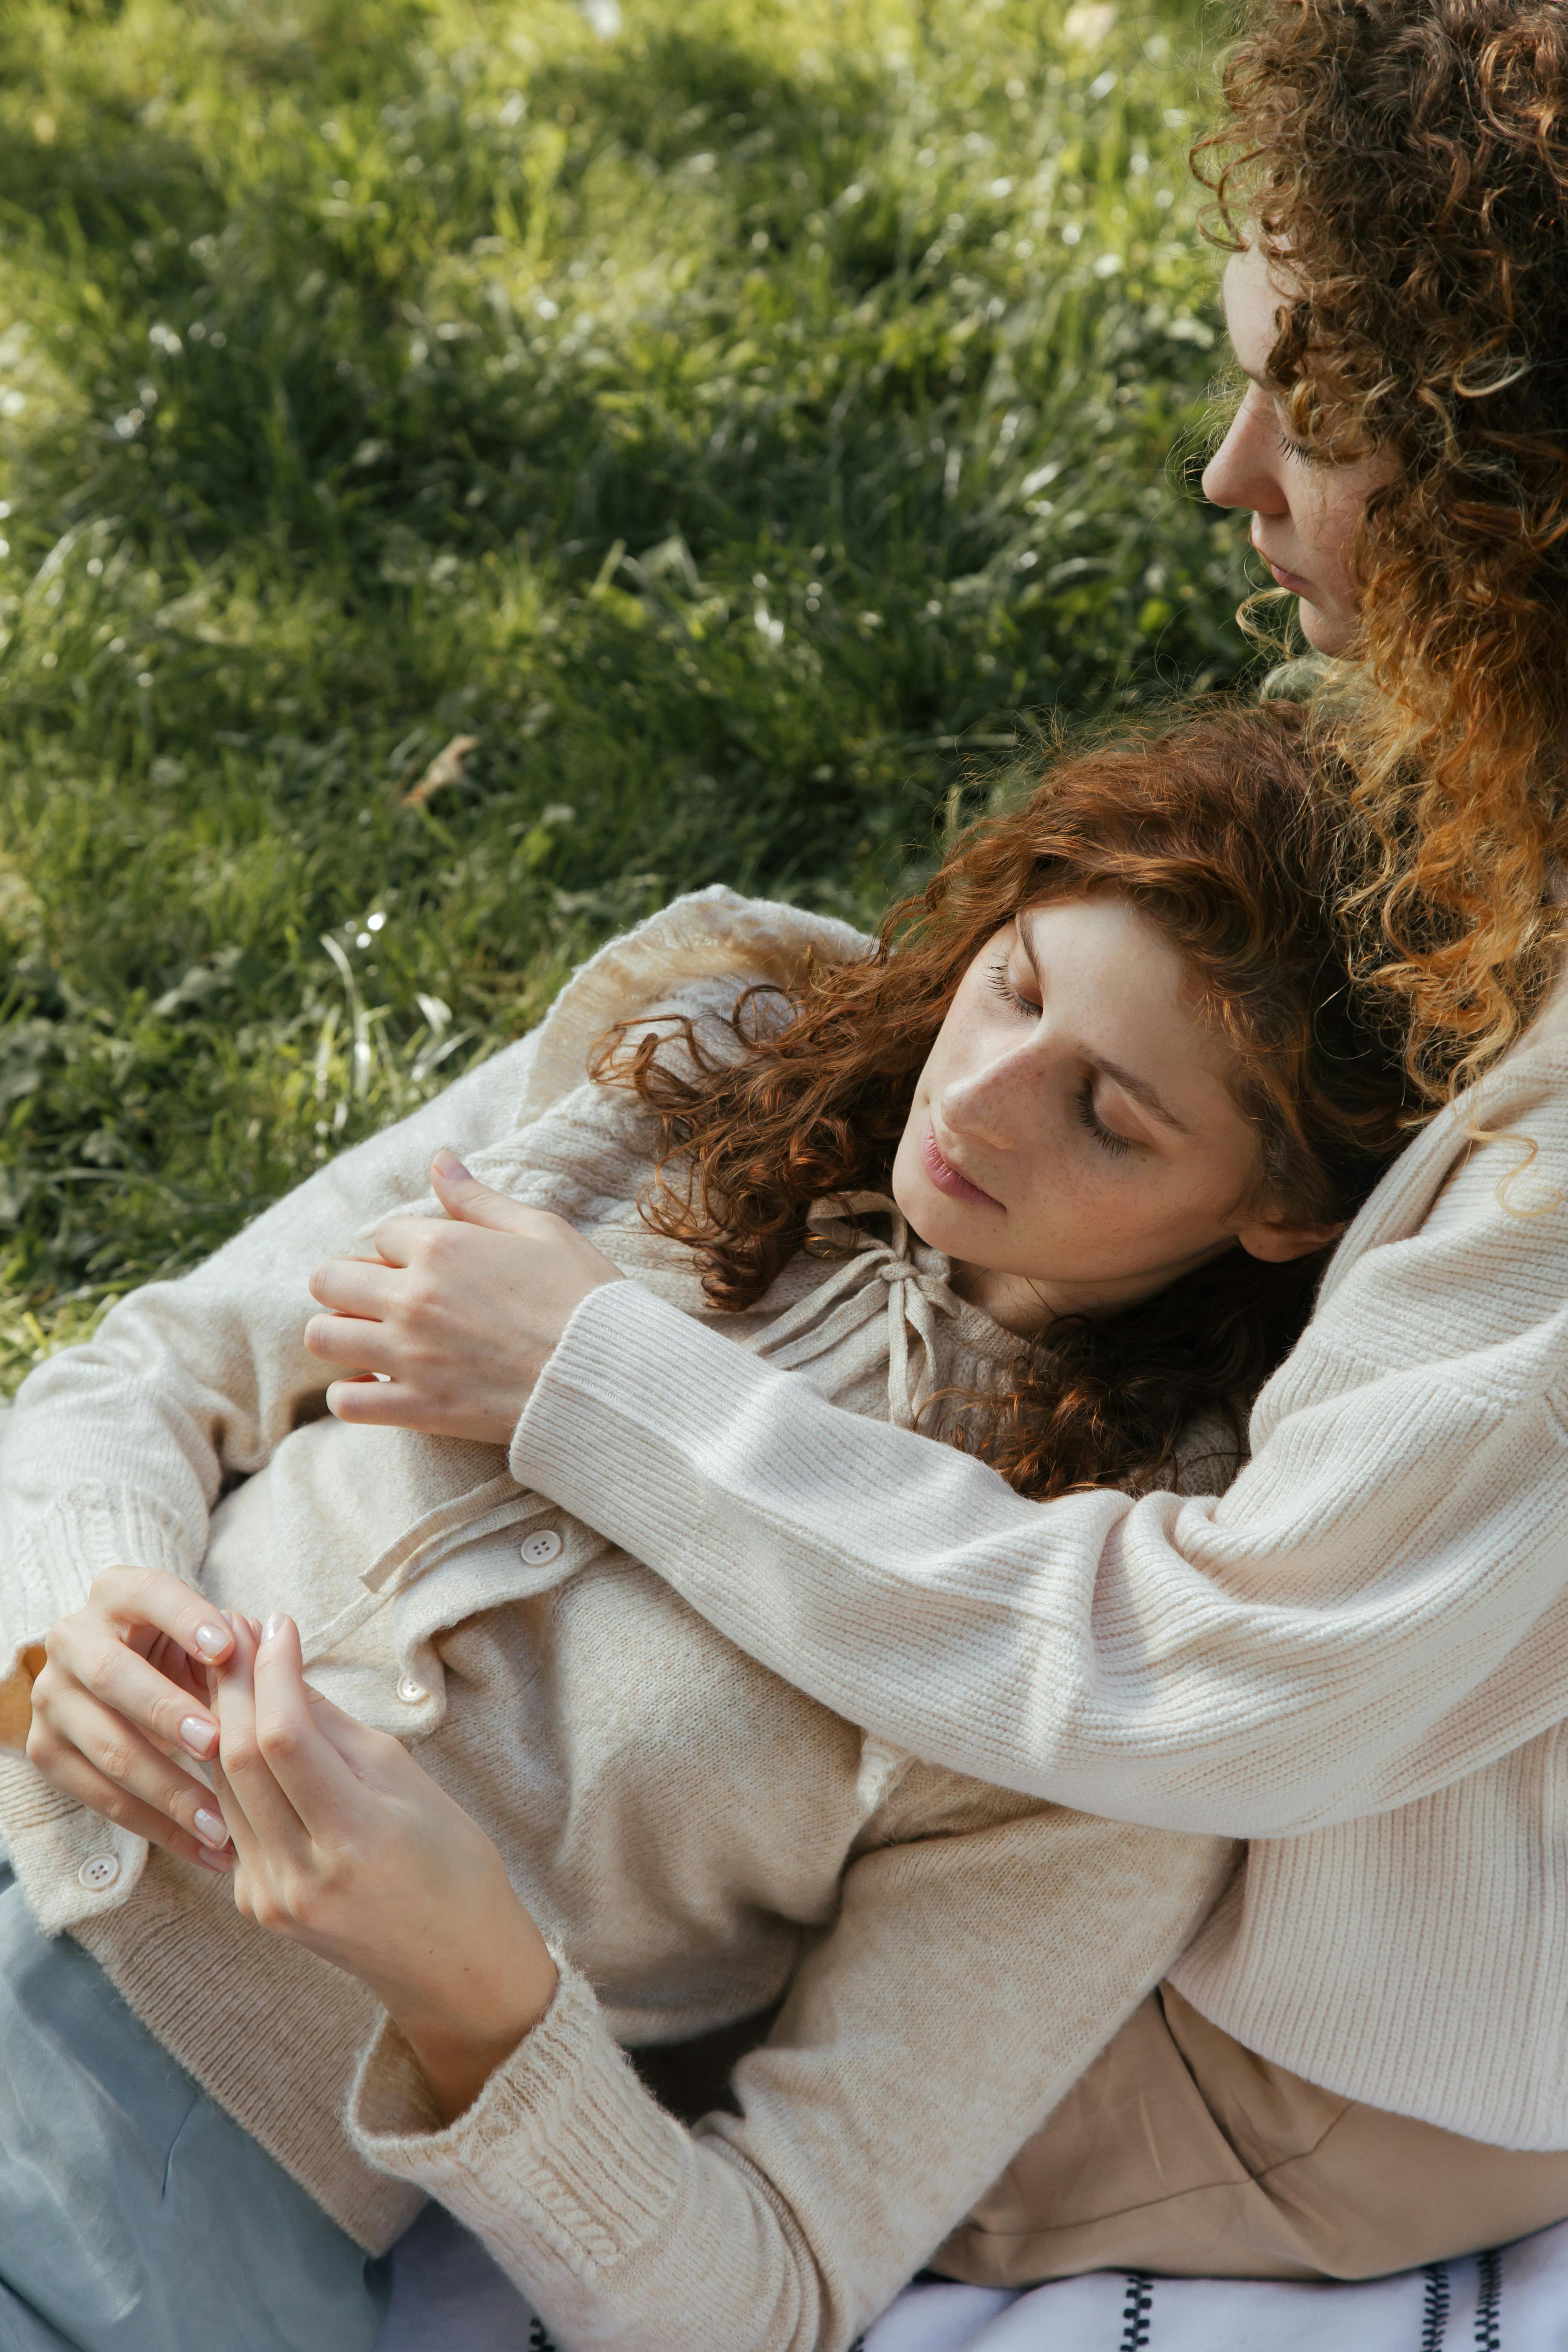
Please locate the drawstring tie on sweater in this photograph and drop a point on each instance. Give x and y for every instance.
(910, 1288)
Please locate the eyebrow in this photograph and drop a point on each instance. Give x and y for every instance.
(1128, 1080)
(1141, 1091)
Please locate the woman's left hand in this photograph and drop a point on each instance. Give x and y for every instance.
(449, 1328)
(344, 1844)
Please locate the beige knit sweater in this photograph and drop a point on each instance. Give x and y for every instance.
(696, 1835)
(1357, 1658)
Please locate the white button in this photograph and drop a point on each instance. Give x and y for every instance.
(99, 1871)
(540, 1549)
(409, 1691)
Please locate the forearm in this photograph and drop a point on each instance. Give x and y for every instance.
(1249, 1667)
(626, 2231)
(970, 1979)
(464, 2018)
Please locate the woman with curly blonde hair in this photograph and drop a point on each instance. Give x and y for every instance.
(1355, 1659)
(1393, 178)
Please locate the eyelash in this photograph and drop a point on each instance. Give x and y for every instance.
(1120, 1145)
(1083, 1100)
(1008, 994)
(1297, 449)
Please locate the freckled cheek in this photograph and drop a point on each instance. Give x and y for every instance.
(1113, 1213)
(1066, 1197)
(1331, 529)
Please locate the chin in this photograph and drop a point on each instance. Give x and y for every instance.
(907, 1199)
(934, 1219)
(1324, 632)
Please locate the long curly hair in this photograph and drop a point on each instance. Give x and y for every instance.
(1404, 165)
(1224, 829)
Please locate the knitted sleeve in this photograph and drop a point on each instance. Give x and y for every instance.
(970, 1978)
(1377, 1607)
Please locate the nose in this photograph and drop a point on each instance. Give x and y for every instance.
(987, 1106)
(1244, 470)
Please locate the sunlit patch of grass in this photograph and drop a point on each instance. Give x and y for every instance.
(734, 416)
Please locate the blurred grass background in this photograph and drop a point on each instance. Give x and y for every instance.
(729, 422)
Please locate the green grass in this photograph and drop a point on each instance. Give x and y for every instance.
(738, 421)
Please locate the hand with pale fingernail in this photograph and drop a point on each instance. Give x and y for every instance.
(121, 1702)
(347, 1845)
(449, 1328)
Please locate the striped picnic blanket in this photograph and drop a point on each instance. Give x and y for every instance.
(447, 2296)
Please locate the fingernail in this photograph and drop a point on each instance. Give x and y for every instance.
(448, 1164)
(198, 1734)
(274, 1626)
(221, 1863)
(211, 1640)
(210, 1827)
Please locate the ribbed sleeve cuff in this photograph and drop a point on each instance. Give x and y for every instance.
(54, 1551)
(563, 2161)
(583, 1439)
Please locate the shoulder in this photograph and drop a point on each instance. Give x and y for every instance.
(1454, 1278)
(694, 955)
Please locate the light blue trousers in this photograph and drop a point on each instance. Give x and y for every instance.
(135, 2216)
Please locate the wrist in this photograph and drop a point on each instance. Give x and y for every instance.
(460, 2043)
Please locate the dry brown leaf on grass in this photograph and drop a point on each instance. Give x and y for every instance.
(445, 768)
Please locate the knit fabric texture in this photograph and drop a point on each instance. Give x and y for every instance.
(1356, 1658)
(697, 1837)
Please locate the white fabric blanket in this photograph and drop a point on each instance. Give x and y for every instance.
(447, 2296)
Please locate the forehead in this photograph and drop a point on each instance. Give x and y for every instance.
(1128, 992)
(1254, 300)
(1114, 962)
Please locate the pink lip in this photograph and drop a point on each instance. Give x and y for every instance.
(946, 1177)
(1291, 582)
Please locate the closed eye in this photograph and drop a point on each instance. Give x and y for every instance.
(1106, 1136)
(1000, 980)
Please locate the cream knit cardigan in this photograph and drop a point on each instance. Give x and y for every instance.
(697, 1835)
(1357, 1658)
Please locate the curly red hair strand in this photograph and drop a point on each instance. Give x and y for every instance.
(1404, 163)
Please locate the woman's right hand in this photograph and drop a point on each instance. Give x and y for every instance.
(121, 1697)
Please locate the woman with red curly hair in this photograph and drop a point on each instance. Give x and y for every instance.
(1356, 1659)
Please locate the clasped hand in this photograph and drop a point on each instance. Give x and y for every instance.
(344, 1844)
(460, 1313)
(449, 1328)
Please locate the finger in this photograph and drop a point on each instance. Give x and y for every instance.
(383, 1404)
(80, 1652)
(72, 1722)
(345, 1340)
(354, 1286)
(135, 1599)
(264, 1825)
(472, 1203)
(77, 1779)
(360, 1747)
(305, 1764)
(399, 1238)
(187, 1674)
